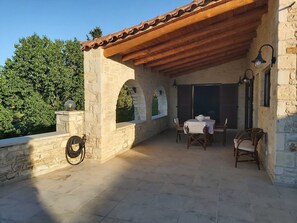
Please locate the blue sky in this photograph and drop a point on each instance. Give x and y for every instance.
(66, 19)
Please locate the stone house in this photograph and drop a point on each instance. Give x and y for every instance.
(205, 46)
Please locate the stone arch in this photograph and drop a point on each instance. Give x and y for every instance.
(162, 100)
(138, 98)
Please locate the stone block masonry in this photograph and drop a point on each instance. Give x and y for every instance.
(29, 156)
(285, 163)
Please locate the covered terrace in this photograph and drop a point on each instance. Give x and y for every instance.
(194, 57)
(205, 43)
(157, 181)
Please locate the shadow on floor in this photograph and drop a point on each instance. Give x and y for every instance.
(157, 181)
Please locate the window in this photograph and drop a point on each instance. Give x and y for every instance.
(159, 102)
(131, 103)
(125, 106)
(266, 96)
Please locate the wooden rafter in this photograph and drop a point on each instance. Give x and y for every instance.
(240, 40)
(207, 12)
(204, 66)
(221, 51)
(241, 20)
(224, 36)
(204, 58)
(206, 61)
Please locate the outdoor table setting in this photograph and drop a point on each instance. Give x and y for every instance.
(200, 119)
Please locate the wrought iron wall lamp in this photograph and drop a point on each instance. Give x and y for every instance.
(174, 83)
(259, 59)
(240, 81)
(248, 76)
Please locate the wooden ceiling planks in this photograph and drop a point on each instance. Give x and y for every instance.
(240, 40)
(204, 32)
(218, 33)
(223, 36)
(206, 60)
(209, 11)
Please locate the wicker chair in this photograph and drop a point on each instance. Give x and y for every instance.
(179, 129)
(221, 129)
(246, 145)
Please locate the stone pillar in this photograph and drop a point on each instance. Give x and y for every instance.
(70, 122)
(285, 171)
(93, 101)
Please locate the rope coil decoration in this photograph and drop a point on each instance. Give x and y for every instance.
(75, 147)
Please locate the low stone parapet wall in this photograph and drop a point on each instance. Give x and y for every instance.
(27, 156)
(128, 134)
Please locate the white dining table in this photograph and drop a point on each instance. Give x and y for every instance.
(208, 122)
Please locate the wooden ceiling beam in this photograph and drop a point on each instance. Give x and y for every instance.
(200, 56)
(225, 36)
(209, 11)
(241, 39)
(205, 59)
(249, 17)
(204, 66)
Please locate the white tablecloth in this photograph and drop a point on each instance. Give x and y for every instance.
(208, 122)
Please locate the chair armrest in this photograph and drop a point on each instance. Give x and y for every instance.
(243, 133)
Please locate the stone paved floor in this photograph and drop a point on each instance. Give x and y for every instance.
(158, 181)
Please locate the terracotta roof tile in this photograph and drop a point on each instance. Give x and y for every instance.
(111, 38)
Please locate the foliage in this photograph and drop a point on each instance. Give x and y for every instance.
(37, 80)
(125, 107)
(95, 33)
(6, 127)
(155, 105)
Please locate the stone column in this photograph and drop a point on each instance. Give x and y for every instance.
(70, 122)
(93, 101)
(285, 170)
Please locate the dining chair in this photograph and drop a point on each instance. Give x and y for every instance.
(246, 145)
(197, 133)
(222, 130)
(179, 129)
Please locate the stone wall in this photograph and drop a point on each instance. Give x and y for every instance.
(214, 75)
(277, 149)
(265, 117)
(104, 79)
(285, 170)
(29, 156)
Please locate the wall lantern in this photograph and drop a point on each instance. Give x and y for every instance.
(161, 92)
(69, 105)
(239, 82)
(134, 89)
(248, 76)
(174, 83)
(259, 59)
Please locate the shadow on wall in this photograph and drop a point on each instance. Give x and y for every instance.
(19, 200)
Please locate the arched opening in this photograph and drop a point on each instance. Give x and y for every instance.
(125, 106)
(130, 103)
(159, 102)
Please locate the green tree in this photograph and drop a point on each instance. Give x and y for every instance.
(6, 127)
(95, 33)
(155, 110)
(37, 81)
(125, 107)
